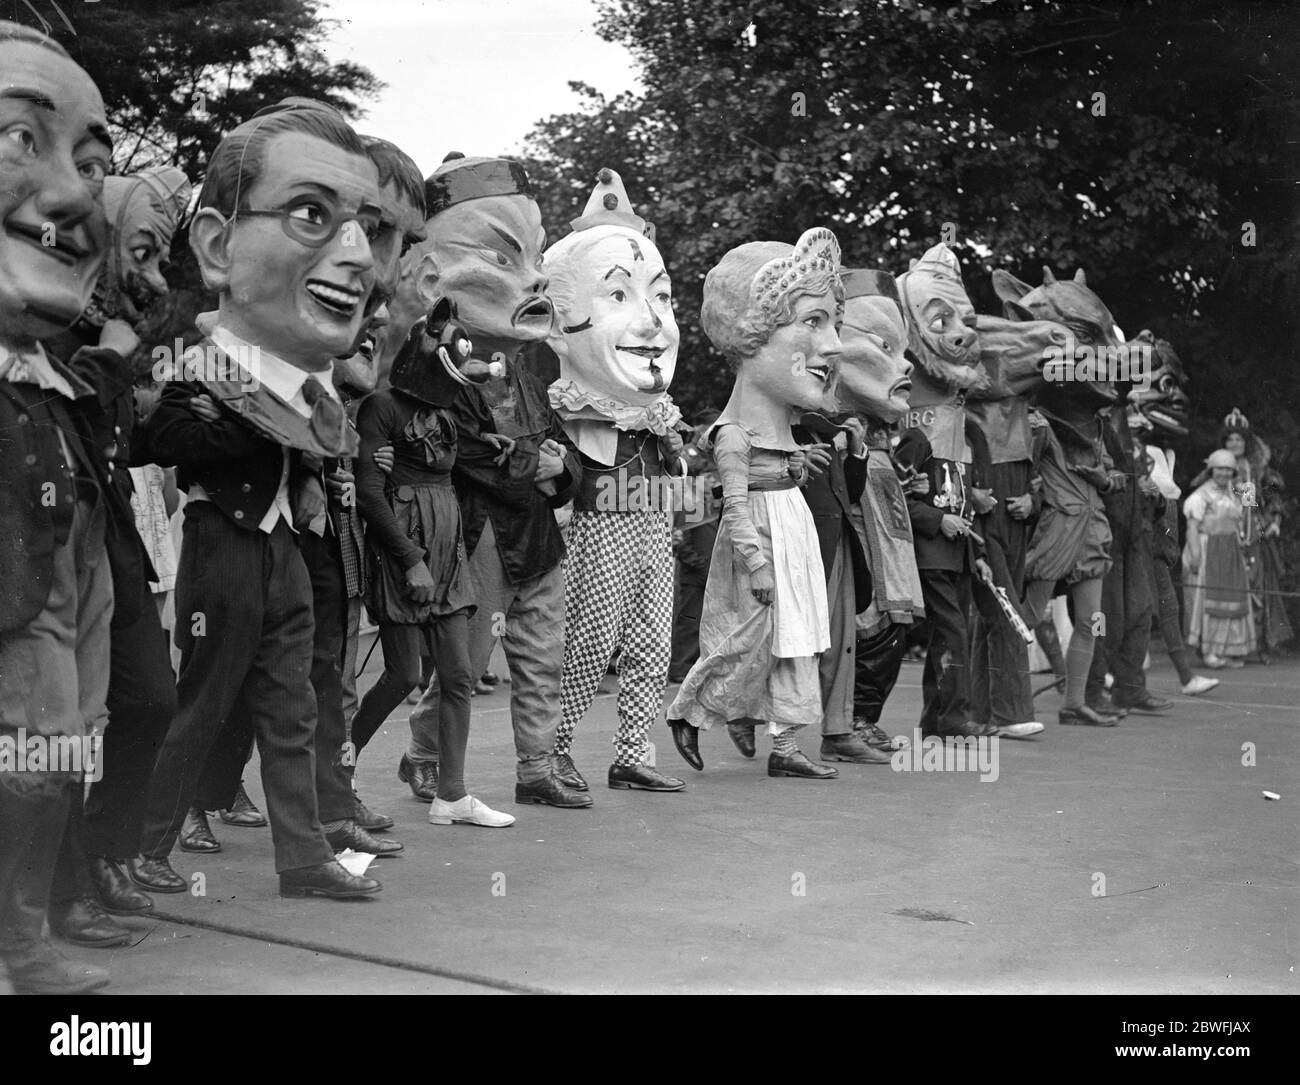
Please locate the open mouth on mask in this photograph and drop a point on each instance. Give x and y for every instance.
(901, 387)
(1168, 419)
(366, 348)
(535, 308)
(340, 300)
(821, 372)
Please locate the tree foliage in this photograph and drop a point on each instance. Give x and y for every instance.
(900, 122)
(176, 76)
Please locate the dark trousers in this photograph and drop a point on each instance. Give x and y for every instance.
(141, 704)
(33, 814)
(946, 682)
(330, 606)
(223, 769)
(878, 659)
(1170, 612)
(1001, 692)
(1127, 605)
(234, 745)
(244, 627)
(446, 640)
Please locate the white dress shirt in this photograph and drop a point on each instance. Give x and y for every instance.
(31, 366)
(286, 381)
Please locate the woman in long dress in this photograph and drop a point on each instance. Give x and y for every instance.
(1221, 616)
(1261, 489)
(772, 310)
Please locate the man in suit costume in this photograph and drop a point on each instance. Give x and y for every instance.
(940, 443)
(332, 550)
(56, 591)
(90, 882)
(287, 216)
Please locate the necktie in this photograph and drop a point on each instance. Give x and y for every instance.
(308, 492)
(328, 418)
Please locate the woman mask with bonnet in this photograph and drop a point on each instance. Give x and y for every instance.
(772, 309)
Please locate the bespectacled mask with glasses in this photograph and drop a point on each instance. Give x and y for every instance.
(315, 223)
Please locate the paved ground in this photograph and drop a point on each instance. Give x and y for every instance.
(877, 881)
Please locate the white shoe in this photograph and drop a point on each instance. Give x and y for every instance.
(1020, 730)
(1199, 684)
(468, 811)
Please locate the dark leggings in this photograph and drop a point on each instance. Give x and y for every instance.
(447, 641)
(1171, 618)
(1085, 595)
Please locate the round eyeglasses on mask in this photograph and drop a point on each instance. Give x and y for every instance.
(316, 224)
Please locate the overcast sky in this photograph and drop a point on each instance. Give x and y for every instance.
(472, 75)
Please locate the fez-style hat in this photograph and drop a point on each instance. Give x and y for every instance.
(870, 283)
(459, 179)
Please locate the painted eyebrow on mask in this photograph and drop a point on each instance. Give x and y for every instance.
(98, 131)
(662, 275)
(27, 94)
(296, 188)
(617, 267)
(507, 238)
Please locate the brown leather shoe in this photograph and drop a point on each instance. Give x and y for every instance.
(549, 791)
(85, 923)
(353, 836)
(368, 819)
(420, 776)
(329, 879)
(38, 968)
(196, 833)
(686, 737)
(970, 729)
(243, 812)
(853, 749)
(642, 778)
(113, 886)
(1104, 705)
(1086, 717)
(798, 765)
(873, 735)
(567, 772)
(156, 875)
(742, 736)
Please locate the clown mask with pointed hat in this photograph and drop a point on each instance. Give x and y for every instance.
(615, 333)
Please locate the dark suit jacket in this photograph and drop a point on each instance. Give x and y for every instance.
(933, 551)
(113, 428)
(523, 521)
(37, 489)
(238, 467)
(830, 498)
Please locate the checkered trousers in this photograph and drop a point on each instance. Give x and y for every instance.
(618, 579)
